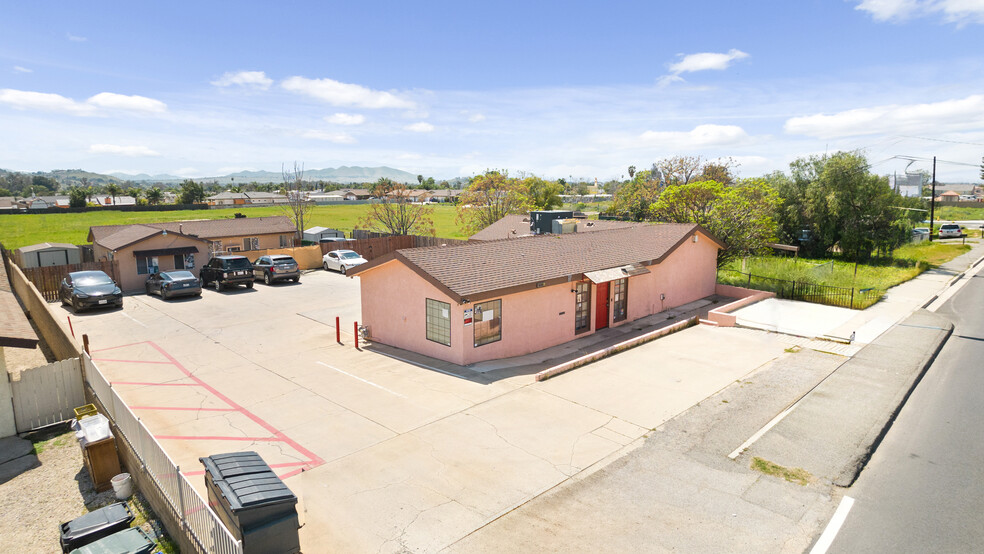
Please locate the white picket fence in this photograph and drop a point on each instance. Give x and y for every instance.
(195, 515)
(46, 394)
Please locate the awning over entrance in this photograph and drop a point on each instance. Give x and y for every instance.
(615, 273)
(165, 251)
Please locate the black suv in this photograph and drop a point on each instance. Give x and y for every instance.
(222, 271)
(276, 268)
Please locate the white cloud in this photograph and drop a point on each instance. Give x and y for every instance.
(953, 11)
(19, 69)
(344, 94)
(962, 113)
(134, 103)
(704, 61)
(473, 117)
(255, 79)
(346, 119)
(44, 101)
(75, 38)
(129, 151)
(420, 127)
(49, 102)
(701, 136)
(337, 138)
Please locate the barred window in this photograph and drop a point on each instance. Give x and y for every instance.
(488, 322)
(582, 307)
(620, 292)
(439, 322)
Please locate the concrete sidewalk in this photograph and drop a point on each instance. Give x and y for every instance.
(810, 320)
(833, 430)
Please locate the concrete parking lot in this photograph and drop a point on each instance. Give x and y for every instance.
(387, 455)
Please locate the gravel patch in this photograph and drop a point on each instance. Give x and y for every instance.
(35, 503)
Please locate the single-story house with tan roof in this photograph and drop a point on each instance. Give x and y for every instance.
(145, 247)
(500, 298)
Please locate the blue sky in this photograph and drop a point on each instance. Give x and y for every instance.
(557, 89)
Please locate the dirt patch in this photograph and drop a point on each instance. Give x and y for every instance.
(34, 503)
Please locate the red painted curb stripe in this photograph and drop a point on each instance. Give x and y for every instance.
(116, 347)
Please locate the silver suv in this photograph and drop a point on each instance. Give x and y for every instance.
(950, 230)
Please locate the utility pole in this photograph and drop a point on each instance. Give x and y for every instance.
(932, 202)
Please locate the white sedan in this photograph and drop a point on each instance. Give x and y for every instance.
(341, 260)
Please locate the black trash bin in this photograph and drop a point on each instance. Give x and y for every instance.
(128, 541)
(95, 525)
(253, 502)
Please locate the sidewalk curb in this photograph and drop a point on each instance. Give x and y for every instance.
(877, 434)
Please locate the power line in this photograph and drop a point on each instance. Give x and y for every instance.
(943, 140)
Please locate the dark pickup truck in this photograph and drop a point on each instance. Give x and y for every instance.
(223, 271)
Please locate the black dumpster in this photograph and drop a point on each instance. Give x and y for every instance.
(95, 525)
(129, 541)
(252, 501)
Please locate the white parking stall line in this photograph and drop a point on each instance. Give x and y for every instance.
(830, 533)
(370, 383)
(131, 318)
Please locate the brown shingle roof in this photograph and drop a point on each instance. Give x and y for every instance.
(503, 229)
(206, 228)
(475, 269)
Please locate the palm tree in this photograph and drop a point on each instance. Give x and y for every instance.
(155, 195)
(114, 190)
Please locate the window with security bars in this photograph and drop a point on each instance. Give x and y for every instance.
(439, 322)
(620, 292)
(488, 322)
(582, 307)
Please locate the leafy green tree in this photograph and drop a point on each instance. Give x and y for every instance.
(155, 195)
(543, 195)
(76, 197)
(490, 197)
(633, 199)
(43, 185)
(741, 216)
(191, 192)
(398, 214)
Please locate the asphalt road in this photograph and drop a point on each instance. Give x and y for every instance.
(923, 490)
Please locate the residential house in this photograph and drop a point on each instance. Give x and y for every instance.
(140, 248)
(949, 196)
(43, 202)
(501, 298)
(245, 199)
(8, 203)
(444, 195)
(355, 194)
(109, 200)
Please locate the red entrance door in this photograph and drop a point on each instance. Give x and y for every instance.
(601, 306)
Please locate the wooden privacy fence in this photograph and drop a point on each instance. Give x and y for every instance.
(48, 279)
(378, 244)
(46, 394)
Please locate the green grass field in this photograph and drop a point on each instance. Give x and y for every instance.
(73, 228)
(907, 262)
(954, 213)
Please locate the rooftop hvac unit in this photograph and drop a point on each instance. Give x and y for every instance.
(563, 226)
(541, 222)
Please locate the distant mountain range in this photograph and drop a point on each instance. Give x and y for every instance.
(344, 174)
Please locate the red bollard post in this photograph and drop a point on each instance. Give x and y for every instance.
(338, 332)
(356, 324)
(70, 326)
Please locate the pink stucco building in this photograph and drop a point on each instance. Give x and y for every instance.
(501, 298)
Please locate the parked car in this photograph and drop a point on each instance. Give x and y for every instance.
(169, 284)
(276, 268)
(224, 271)
(950, 230)
(341, 260)
(89, 289)
(334, 239)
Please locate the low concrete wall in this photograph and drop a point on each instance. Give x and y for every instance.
(722, 316)
(55, 336)
(308, 257)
